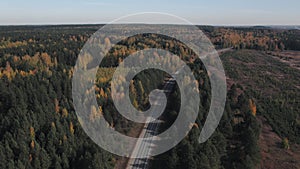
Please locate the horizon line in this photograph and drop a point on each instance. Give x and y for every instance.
(214, 25)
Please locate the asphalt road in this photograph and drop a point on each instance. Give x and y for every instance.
(150, 129)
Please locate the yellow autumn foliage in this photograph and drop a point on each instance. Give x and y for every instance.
(32, 144)
(252, 107)
(72, 128)
(64, 112)
(32, 133)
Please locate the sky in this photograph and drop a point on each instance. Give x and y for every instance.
(202, 12)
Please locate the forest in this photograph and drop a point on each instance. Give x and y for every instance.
(39, 127)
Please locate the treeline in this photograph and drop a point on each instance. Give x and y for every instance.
(258, 38)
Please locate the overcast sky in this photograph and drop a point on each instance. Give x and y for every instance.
(208, 12)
